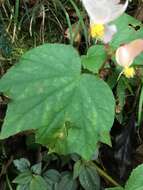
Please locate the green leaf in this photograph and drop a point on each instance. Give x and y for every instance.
(135, 181)
(140, 107)
(37, 183)
(52, 178)
(121, 95)
(23, 187)
(115, 188)
(77, 169)
(95, 58)
(37, 168)
(86, 118)
(112, 79)
(127, 32)
(23, 178)
(67, 183)
(52, 174)
(22, 164)
(89, 178)
(71, 111)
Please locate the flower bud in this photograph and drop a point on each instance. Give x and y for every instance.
(126, 54)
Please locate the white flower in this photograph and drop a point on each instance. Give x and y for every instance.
(126, 54)
(102, 12)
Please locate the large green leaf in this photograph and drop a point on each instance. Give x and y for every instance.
(71, 111)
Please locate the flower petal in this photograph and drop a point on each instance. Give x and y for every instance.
(126, 54)
(110, 30)
(104, 11)
(98, 13)
(123, 57)
(117, 10)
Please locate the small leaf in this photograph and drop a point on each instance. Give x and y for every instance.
(22, 164)
(95, 58)
(67, 183)
(77, 169)
(23, 187)
(36, 169)
(52, 178)
(140, 107)
(121, 87)
(135, 181)
(23, 178)
(37, 183)
(89, 178)
(53, 175)
(112, 79)
(115, 188)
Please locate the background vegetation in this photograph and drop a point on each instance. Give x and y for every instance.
(25, 24)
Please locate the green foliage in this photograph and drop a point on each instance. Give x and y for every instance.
(24, 177)
(52, 178)
(121, 87)
(134, 182)
(29, 178)
(67, 182)
(22, 164)
(50, 95)
(140, 107)
(88, 177)
(37, 168)
(121, 98)
(37, 183)
(116, 188)
(77, 169)
(95, 58)
(22, 187)
(57, 100)
(87, 174)
(129, 29)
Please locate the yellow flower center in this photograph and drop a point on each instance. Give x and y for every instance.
(97, 30)
(129, 72)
